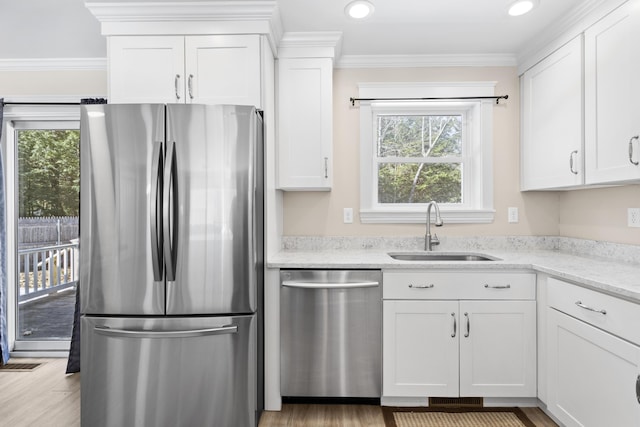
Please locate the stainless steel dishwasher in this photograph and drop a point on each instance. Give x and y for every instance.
(331, 333)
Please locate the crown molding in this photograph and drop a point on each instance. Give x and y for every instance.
(409, 61)
(211, 10)
(189, 17)
(53, 64)
(312, 44)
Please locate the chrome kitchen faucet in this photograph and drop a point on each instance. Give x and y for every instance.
(428, 240)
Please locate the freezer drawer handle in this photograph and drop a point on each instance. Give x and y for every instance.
(140, 333)
(328, 285)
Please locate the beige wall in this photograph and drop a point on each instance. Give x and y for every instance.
(600, 214)
(45, 83)
(320, 213)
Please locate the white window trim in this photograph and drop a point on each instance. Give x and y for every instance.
(483, 211)
(14, 117)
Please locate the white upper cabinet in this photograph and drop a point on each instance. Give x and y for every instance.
(223, 69)
(552, 127)
(146, 69)
(305, 123)
(215, 69)
(612, 97)
(304, 85)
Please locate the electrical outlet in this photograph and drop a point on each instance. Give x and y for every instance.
(348, 215)
(633, 218)
(513, 215)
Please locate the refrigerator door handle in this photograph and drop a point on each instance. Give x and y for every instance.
(170, 214)
(141, 333)
(155, 202)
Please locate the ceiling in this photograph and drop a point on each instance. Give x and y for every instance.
(66, 29)
(421, 27)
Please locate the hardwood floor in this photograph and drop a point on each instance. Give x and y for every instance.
(46, 397)
(353, 416)
(43, 397)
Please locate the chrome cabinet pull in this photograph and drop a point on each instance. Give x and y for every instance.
(487, 286)
(466, 335)
(631, 150)
(429, 286)
(638, 388)
(574, 152)
(190, 85)
(176, 85)
(586, 307)
(326, 167)
(455, 327)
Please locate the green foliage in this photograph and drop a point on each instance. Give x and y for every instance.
(420, 137)
(49, 172)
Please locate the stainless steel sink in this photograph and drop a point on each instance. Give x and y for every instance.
(445, 256)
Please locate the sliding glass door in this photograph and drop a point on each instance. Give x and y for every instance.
(46, 220)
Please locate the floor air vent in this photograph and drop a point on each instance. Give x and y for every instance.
(19, 367)
(460, 402)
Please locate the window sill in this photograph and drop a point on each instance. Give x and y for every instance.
(389, 216)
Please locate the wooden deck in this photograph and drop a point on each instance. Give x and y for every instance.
(50, 317)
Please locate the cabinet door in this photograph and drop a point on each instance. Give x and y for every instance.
(552, 120)
(305, 111)
(223, 69)
(498, 348)
(592, 376)
(146, 69)
(612, 90)
(420, 348)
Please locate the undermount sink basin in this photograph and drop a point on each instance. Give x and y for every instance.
(445, 256)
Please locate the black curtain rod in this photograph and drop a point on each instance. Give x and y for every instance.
(83, 101)
(459, 98)
(41, 103)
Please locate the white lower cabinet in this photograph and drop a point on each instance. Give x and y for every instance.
(593, 376)
(456, 347)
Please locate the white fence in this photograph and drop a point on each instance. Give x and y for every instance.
(46, 270)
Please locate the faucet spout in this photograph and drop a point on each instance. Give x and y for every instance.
(430, 241)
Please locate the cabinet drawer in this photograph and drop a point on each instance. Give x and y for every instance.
(458, 285)
(614, 315)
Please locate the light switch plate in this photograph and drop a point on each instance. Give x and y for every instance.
(633, 217)
(513, 215)
(348, 215)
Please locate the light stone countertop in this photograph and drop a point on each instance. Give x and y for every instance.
(587, 263)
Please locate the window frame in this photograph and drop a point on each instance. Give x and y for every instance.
(477, 206)
(20, 117)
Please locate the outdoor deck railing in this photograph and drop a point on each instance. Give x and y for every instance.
(47, 269)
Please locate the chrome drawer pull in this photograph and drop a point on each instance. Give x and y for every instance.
(497, 286)
(638, 388)
(422, 286)
(586, 307)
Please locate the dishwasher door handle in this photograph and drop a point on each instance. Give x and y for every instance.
(329, 285)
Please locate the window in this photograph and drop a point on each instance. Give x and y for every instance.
(414, 152)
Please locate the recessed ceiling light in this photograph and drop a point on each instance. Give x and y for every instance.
(520, 7)
(359, 9)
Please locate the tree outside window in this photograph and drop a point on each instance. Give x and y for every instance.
(419, 158)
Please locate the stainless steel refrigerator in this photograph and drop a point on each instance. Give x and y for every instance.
(171, 265)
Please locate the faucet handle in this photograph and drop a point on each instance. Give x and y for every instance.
(435, 240)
